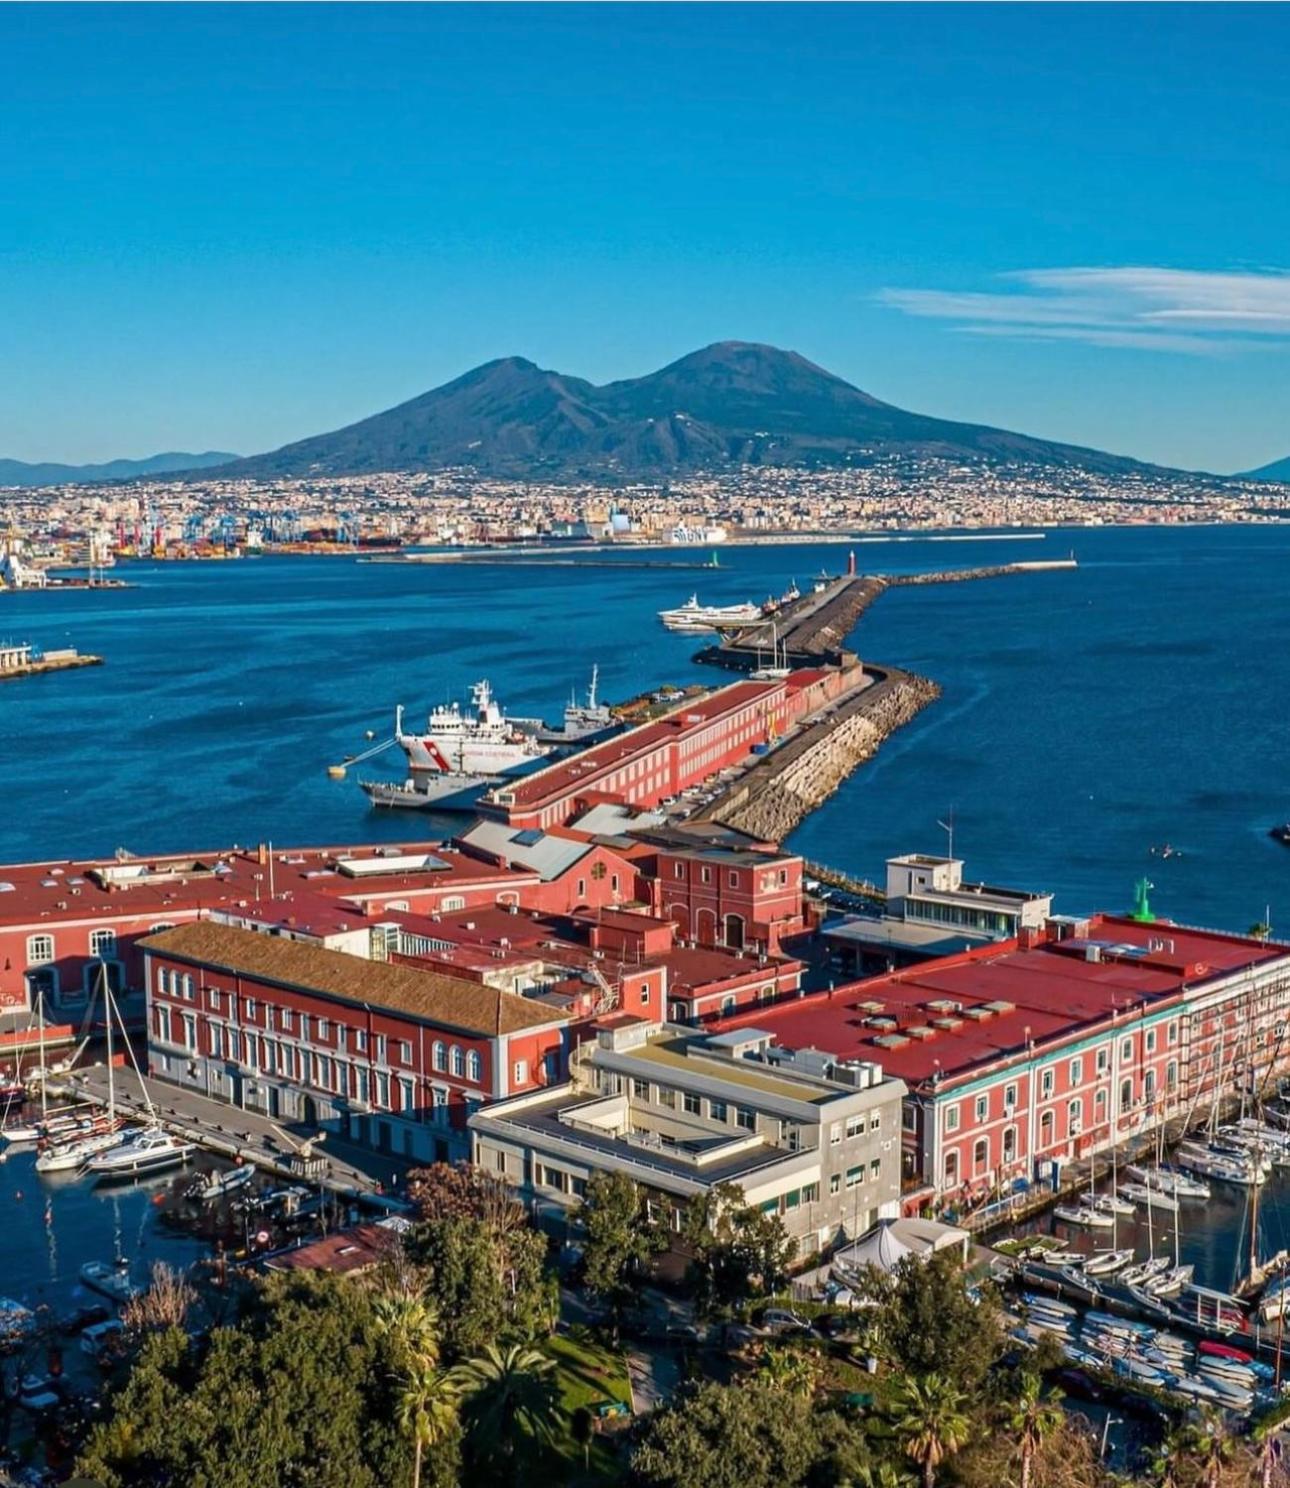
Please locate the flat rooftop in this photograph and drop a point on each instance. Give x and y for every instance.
(670, 1053)
(954, 1015)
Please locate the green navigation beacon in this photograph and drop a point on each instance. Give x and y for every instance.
(1141, 908)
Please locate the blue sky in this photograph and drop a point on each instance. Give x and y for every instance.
(230, 226)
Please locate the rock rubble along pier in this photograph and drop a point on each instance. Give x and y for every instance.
(776, 795)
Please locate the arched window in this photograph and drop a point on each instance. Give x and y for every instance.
(103, 943)
(474, 1067)
(1075, 1117)
(458, 1061)
(951, 1167)
(980, 1156)
(1126, 1094)
(439, 1055)
(1045, 1131)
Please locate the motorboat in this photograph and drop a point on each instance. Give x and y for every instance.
(1170, 1282)
(111, 1281)
(149, 1151)
(1144, 1271)
(1084, 1214)
(1168, 1180)
(208, 1188)
(1212, 1348)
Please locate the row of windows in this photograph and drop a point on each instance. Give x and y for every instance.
(1047, 1081)
(40, 948)
(694, 1105)
(855, 1126)
(857, 1175)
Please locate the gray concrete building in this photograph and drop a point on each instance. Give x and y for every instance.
(805, 1136)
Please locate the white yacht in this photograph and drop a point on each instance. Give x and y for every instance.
(74, 1152)
(694, 616)
(149, 1151)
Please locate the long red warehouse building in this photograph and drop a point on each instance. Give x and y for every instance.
(658, 759)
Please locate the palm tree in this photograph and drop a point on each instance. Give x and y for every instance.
(930, 1417)
(1034, 1416)
(411, 1323)
(427, 1411)
(510, 1399)
(791, 1370)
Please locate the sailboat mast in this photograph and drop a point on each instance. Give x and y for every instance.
(107, 1013)
(40, 1035)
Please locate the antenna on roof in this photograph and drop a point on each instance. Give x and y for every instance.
(948, 828)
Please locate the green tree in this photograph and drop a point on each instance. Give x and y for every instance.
(427, 1411)
(930, 1419)
(486, 1289)
(511, 1407)
(619, 1239)
(1033, 1418)
(742, 1436)
(302, 1392)
(1211, 1446)
(927, 1322)
(738, 1252)
(791, 1371)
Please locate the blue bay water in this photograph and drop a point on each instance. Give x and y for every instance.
(1086, 715)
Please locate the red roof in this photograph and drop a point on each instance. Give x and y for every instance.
(1042, 995)
(587, 768)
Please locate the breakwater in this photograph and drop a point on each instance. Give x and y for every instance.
(775, 796)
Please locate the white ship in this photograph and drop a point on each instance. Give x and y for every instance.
(480, 742)
(582, 721)
(443, 790)
(694, 616)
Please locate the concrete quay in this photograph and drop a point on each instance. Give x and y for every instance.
(53, 663)
(238, 1134)
(773, 797)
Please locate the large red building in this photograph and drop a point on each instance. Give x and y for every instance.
(1029, 1052)
(390, 1054)
(657, 760)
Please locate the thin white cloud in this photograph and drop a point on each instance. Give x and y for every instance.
(1156, 309)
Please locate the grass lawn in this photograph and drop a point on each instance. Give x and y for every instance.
(588, 1373)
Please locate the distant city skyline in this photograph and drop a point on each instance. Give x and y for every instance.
(231, 227)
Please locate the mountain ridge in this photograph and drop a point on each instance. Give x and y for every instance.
(727, 405)
(33, 474)
(1277, 470)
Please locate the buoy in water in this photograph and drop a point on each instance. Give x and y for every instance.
(336, 772)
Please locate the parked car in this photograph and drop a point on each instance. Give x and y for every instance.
(781, 1320)
(836, 1325)
(682, 1332)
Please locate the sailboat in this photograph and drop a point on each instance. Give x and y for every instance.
(70, 1153)
(17, 1132)
(148, 1151)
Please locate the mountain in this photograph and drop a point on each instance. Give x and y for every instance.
(1279, 470)
(19, 473)
(730, 404)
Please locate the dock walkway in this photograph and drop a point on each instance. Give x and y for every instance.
(232, 1132)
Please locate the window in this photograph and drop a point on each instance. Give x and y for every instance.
(691, 1103)
(103, 944)
(728, 1003)
(1126, 1094)
(1172, 1033)
(951, 1118)
(718, 1110)
(875, 1167)
(667, 1099)
(163, 980)
(360, 1040)
(582, 888)
(733, 879)
(405, 1051)
(1103, 1060)
(705, 874)
(1046, 1083)
(644, 994)
(474, 1067)
(407, 1095)
(248, 1010)
(439, 1055)
(980, 1156)
(855, 1176)
(835, 1134)
(1149, 1085)
(1010, 1096)
(982, 1107)
(680, 870)
(951, 1169)
(520, 1072)
(1149, 1040)
(1077, 1072)
(188, 988)
(342, 1036)
(745, 1118)
(1126, 1049)
(217, 1040)
(383, 1089)
(835, 1183)
(1075, 1117)
(458, 1061)
(454, 901)
(640, 1089)
(286, 1019)
(875, 1121)
(855, 1126)
(1171, 1075)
